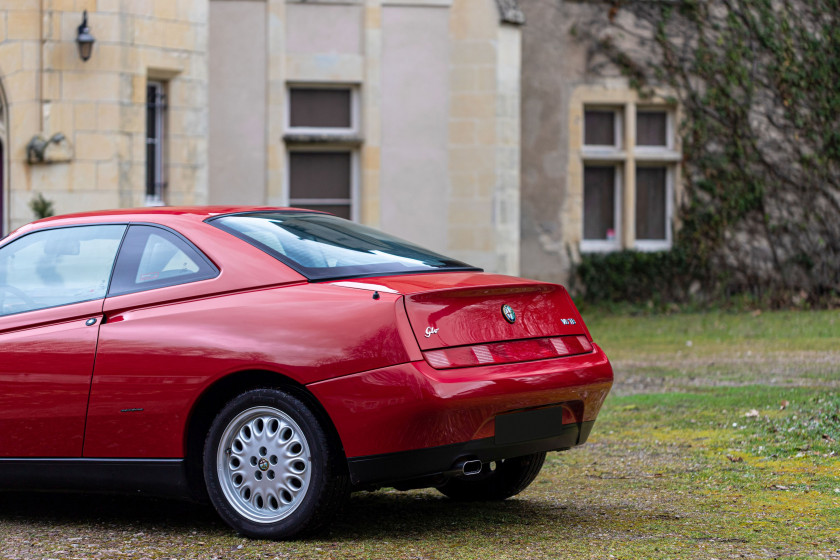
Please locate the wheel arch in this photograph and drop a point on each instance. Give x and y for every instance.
(214, 397)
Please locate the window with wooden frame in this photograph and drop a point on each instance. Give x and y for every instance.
(601, 216)
(324, 110)
(602, 128)
(323, 180)
(629, 169)
(322, 141)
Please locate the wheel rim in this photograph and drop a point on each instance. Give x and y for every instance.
(264, 464)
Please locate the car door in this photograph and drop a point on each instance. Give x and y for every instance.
(52, 285)
(138, 390)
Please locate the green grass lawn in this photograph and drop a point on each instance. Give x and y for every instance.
(628, 337)
(721, 439)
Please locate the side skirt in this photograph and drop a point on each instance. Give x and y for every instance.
(159, 477)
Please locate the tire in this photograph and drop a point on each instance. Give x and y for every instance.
(269, 468)
(508, 478)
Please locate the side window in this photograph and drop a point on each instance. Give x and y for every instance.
(152, 257)
(57, 267)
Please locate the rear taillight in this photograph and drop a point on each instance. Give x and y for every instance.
(508, 352)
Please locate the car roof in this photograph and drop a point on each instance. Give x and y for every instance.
(157, 214)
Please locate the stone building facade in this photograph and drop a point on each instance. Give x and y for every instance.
(600, 165)
(401, 114)
(93, 114)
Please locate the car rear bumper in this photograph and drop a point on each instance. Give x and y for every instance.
(412, 420)
(443, 460)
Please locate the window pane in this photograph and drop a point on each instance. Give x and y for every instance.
(153, 257)
(651, 193)
(151, 167)
(151, 106)
(599, 203)
(155, 108)
(320, 246)
(599, 128)
(652, 128)
(57, 267)
(162, 259)
(319, 175)
(323, 108)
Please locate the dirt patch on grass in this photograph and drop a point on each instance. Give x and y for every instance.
(684, 371)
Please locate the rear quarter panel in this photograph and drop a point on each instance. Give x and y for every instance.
(153, 361)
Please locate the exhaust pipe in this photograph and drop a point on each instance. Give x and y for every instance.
(469, 467)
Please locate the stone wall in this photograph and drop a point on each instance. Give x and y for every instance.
(438, 94)
(562, 74)
(484, 120)
(436, 157)
(99, 105)
(553, 65)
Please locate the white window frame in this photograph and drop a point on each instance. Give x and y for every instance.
(601, 155)
(660, 156)
(156, 198)
(630, 157)
(355, 113)
(605, 245)
(618, 124)
(354, 178)
(652, 245)
(670, 130)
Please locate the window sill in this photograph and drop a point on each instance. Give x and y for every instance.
(154, 201)
(599, 246)
(322, 138)
(657, 155)
(589, 153)
(652, 245)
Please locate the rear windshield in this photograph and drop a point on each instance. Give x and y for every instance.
(324, 247)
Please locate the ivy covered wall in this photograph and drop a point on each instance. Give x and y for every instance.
(757, 83)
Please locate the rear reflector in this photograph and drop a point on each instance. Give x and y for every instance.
(508, 352)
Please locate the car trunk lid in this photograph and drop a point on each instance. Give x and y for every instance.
(468, 319)
(491, 313)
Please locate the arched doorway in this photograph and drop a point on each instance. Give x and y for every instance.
(2, 188)
(4, 184)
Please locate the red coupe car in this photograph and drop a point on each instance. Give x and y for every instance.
(272, 360)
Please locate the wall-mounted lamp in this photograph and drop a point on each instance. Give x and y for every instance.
(84, 39)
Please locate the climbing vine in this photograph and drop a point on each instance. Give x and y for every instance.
(757, 81)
